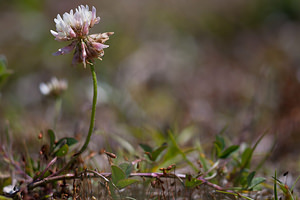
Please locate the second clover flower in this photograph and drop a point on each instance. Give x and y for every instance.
(75, 27)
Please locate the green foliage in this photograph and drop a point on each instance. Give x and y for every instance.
(174, 151)
(153, 154)
(127, 168)
(192, 182)
(255, 182)
(61, 147)
(237, 195)
(52, 139)
(220, 147)
(275, 187)
(287, 192)
(226, 152)
(228, 163)
(119, 175)
(62, 151)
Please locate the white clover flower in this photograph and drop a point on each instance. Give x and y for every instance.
(75, 27)
(54, 88)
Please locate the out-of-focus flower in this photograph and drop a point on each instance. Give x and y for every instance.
(75, 27)
(54, 87)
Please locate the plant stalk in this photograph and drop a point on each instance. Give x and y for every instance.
(92, 122)
(91, 128)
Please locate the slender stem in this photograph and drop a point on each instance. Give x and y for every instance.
(92, 122)
(58, 102)
(91, 128)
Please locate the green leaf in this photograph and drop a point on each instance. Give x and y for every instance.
(146, 148)
(117, 174)
(52, 139)
(294, 184)
(158, 151)
(228, 151)
(112, 189)
(192, 182)
(177, 150)
(219, 145)
(275, 186)
(256, 181)
(186, 135)
(250, 178)
(246, 157)
(62, 151)
(282, 187)
(67, 140)
(127, 168)
(247, 154)
(125, 182)
(220, 141)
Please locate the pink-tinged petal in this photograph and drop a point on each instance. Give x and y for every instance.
(93, 13)
(99, 46)
(72, 33)
(65, 50)
(83, 50)
(86, 28)
(94, 19)
(107, 34)
(97, 20)
(83, 54)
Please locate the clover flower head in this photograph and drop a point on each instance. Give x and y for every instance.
(75, 27)
(54, 87)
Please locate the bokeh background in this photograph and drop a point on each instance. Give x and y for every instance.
(171, 64)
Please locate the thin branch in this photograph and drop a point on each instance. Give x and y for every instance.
(47, 167)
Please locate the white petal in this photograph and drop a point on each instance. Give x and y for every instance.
(54, 33)
(44, 89)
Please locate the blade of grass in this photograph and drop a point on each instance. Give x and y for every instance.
(290, 195)
(275, 186)
(263, 160)
(249, 157)
(201, 156)
(294, 184)
(235, 194)
(28, 158)
(181, 152)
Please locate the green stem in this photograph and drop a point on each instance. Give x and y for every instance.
(57, 108)
(92, 122)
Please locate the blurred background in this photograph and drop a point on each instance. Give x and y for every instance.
(171, 64)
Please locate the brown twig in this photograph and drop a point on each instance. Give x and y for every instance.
(47, 168)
